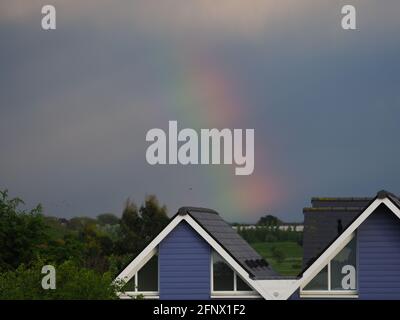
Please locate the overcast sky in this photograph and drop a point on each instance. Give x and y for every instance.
(76, 102)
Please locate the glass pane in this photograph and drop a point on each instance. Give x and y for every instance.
(320, 281)
(241, 285)
(222, 274)
(343, 268)
(130, 285)
(148, 276)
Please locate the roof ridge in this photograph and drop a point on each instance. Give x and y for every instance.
(385, 194)
(185, 210)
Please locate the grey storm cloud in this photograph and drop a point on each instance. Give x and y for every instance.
(76, 103)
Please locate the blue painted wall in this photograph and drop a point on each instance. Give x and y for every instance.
(184, 265)
(379, 256)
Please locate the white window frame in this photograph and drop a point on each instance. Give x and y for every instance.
(146, 294)
(230, 294)
(329, 293)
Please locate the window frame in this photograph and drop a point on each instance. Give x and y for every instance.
(228, 293)
(329, 293)
(147, 294)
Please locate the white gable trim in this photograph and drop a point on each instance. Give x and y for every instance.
(151, 248)
(147, 252)
(344, 238)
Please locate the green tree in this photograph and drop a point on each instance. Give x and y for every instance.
(138, 227)
(96, 247)
(22, 233)
(130, 230)
(269, 220)
(154, 217)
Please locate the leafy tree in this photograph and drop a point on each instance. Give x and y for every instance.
(154, 217)
(138, 227)
(130, 229)
(21, 233)
(269, 220)
(96, 247)
(59, 250)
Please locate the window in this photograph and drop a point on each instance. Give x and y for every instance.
(224, 279)
(343, 268)
(319, 282)
(241, 285)
(338, 276)
(223, 275)
(145, 279)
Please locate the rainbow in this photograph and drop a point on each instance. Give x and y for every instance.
(202, 96)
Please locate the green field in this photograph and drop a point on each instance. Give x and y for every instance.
(293, 253)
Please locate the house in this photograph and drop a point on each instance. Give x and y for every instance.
(351, 250)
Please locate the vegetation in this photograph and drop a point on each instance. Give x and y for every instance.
(73, 282)
(285, 257)
(86, 252)
(270, 234)
(269, 220)
(281, 248)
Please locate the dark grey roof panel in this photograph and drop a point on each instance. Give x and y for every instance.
(320, 228)
(321, 202)
(321, 221)
(235, 245)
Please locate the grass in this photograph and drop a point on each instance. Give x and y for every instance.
(291, 265)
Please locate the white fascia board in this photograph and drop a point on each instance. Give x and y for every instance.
(147, 252)
(280, 289)
(344, 238)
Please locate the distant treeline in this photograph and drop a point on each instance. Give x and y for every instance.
(270, 235)
(267, 230)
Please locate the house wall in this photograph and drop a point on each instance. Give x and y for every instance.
(184, 265)
(379, 256)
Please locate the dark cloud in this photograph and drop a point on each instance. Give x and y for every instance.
(76, 103)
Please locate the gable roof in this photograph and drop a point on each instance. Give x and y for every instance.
(382, 198)
(231, 241)
(222, 238)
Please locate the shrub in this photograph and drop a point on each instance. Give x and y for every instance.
(72, 283)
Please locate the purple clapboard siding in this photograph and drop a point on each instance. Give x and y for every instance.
(379, 256)
(184, 265)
